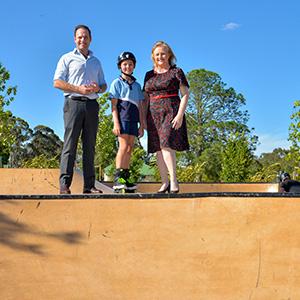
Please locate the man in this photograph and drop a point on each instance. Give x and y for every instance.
(288, 185)
(79, 74)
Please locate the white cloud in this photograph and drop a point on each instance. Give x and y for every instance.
(231, 26)
(269, 142)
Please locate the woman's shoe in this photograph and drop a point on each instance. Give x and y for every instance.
(174, 191)
(166, 190)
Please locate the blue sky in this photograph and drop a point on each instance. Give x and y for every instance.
(253, 45)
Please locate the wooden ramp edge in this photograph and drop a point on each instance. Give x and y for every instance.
(225, 247)
(45, 182)
(39, 182)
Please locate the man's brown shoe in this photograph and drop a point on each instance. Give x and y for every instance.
(92, 190)
(64, 190)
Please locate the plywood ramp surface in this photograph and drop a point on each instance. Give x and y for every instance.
(37, 181)
(169, 249)
(200, 187)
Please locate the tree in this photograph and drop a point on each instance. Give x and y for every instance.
(211, 158)
(192, 173)
(294, 138)
(44, 143)
(106, 142)
(22, 133)
(7, 94)
(137, 160)
(277, 156)
(41, 162)
(236, 159)
(268, 173)
(214, 111)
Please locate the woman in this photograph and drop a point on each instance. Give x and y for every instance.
(166, 123)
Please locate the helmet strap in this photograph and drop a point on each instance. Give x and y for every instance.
(129, 75)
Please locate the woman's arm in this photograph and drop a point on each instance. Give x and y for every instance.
(141, 115)
(145, 105)
(177, 121)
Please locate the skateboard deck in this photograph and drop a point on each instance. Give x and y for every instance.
(124, 191)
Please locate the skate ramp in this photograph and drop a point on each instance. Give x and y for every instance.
(199, 187)
(39, 182)
(219, 247)
(45, 182)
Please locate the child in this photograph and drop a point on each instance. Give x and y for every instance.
(126, 98)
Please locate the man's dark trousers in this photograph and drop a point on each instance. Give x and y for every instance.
(80, 117)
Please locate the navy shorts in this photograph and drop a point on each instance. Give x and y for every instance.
(130, 128)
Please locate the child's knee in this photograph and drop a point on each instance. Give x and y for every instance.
(129, 149)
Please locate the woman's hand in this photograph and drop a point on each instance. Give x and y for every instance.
(141, 131)
(177, 122)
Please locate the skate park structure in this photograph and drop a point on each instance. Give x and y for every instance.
(211, 241)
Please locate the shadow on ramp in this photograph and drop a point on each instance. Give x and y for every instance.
(193, 246)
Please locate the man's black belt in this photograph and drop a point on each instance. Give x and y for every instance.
(80, 98)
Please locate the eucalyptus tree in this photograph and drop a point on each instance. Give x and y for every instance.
(214, 113)
(7, 94)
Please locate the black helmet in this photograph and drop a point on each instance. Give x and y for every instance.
(284, 176)
(124, 56)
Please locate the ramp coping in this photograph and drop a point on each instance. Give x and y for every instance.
(154, 196)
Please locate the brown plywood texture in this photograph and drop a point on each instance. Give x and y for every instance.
(38, 182)
(214, 187)
(45, 182)
(201, 248)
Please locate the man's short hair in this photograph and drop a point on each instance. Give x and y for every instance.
(83, 27)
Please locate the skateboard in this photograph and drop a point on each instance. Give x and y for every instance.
(124, 191)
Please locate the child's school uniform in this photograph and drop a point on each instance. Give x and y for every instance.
(129, 96)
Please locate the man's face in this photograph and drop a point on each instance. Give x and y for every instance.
(82, 40)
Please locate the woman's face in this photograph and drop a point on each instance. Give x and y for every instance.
(161, 56)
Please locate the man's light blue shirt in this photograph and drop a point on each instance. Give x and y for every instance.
(75, 69)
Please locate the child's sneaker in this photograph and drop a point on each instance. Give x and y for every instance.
(120, 181)
(131, 186)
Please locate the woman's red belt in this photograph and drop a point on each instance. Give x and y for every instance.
(163, 96)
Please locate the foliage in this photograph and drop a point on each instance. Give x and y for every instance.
(44, 142)
(294, 136)
(7, 94)
(268, 173)
(41, 162)
(23, 134)
(214, 111)
(192, 173)
(106, 143)
(277, 156)
(236, 159)
(137, 160)
(205, 168)
(153, 165)
(211, 156)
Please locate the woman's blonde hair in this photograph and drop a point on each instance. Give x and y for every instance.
(172, 57)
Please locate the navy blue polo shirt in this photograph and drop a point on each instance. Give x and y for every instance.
(129, 97)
